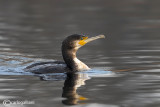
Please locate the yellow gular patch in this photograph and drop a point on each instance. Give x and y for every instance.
(82, 41)
(83, 98)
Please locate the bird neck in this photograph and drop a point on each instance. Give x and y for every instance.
(69, 56)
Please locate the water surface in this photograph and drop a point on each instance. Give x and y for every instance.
(126, 65)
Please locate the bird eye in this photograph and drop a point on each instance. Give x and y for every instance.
(84, 37)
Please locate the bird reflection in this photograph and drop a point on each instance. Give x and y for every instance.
(71, 84)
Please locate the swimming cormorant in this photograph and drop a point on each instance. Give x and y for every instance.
(71, 63)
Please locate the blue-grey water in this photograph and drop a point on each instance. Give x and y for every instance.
(125, 65)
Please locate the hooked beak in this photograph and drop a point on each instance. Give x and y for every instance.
(86, 39)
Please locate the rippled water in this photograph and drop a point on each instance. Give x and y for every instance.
(125, 66)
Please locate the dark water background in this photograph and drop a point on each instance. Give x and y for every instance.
(32, 31)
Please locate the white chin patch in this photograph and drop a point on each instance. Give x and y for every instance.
(78, 45)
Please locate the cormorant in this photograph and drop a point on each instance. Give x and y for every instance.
(71, 63)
